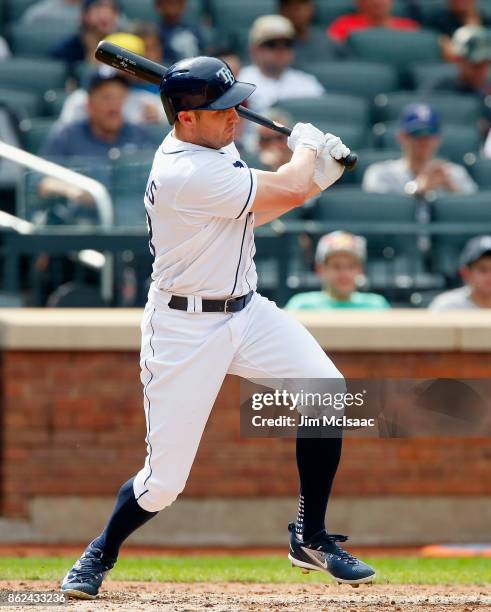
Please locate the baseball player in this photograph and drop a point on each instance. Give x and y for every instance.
(204, 318)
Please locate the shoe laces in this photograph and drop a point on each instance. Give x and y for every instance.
(334, 548)
(91, 564)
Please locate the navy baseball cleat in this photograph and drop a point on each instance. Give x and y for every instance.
(321, 552)
(84, 580)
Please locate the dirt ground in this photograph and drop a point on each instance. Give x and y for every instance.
(233, 597)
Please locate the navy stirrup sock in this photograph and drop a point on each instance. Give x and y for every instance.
(126, 518)
(317, 462)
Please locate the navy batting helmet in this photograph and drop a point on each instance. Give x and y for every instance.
(201, 83)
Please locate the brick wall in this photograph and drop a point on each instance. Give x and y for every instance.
(72, 424)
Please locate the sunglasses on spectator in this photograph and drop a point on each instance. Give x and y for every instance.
(271, 138)
(278, 43)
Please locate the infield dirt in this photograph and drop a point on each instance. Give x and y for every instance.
(238, 597)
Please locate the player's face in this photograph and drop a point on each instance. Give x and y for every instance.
(340, 273)
(478, 277)
(213, 129)
(105, 106)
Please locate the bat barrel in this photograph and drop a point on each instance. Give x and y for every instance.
(131, 63)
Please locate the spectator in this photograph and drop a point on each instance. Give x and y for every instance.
(311, 43)
(456, 14)
(271, 46)
(179, 39)
(94, 139)
(417, 172)
(487, 146)
(475, 270)
(149, 33)
(52, 13)
(272, 147)
(371, 14)
(99, 18)
(4, 49)
(141, 106)
(340, 258)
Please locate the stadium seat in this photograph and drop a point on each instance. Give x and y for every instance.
(481, 172)
(53, 101)
(355, 78)
(35, 76)
(23, 104)
(144, 10)
(35, 42)
(14, 9)
(454, 108)
(34, 132)
(422, 74)
(458, 210)
(331, 107)
(396, 47)
(230, 15)
(457, 140)
(129, 178)
(327, 11)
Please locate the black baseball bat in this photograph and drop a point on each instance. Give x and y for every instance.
(152, 72)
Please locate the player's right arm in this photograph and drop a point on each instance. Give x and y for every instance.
(311, 169)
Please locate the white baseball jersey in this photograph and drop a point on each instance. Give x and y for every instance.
(198, 203)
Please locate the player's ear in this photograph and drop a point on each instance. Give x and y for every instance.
(187, 118)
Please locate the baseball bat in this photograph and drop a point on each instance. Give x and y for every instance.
(152, 72)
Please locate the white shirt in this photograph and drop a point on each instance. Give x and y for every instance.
(487, 146)
(455, 299)
(291, 84)
(198, 203)
(392, 176)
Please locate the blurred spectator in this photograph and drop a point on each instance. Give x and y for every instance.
(271, 46)
(311, 43)
(99, 18)
(487, 146)
(141, 105)
(272, 147)
(417, 172)
(52, 13)
(475, 270)
(340, 258)
(149, 33)
(95, 138)
(456, 14)
(229, 56)
(4, 49)
(179, 39)
(371, 14)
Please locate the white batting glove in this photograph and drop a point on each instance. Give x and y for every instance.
(327, 170)
(308, 136)
(335, 147)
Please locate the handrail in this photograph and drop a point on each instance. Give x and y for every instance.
(99, 193)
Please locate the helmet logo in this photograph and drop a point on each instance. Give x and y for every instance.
(226, 75)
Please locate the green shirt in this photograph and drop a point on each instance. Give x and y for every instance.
(320, 300)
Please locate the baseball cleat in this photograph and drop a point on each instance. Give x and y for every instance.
(322, 553)
(84, 580)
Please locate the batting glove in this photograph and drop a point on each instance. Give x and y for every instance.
(327, 170)
(308, 136)
(334, 146)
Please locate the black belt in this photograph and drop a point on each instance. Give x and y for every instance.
(233, 304)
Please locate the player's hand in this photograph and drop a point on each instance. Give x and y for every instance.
(308, 136)
(335, 147)
(327, 170)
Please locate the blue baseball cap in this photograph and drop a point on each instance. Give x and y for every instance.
(104, 74)
(420, 120)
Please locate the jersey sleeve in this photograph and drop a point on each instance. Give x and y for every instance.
(218, 188)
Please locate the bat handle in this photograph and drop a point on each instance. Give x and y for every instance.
(348, 162)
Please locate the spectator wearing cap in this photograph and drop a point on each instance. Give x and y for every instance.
(457, 13)
(340, 258)
(98, 19)
(272, 147)
(95, 139)
(271, 41)
(369, 14)
(475, 270)
(179, 39)
(141, 105)
(52, 13)
(417, 172)
(311, 43)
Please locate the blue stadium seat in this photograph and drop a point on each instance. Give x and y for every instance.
(481, 172)
(144, 10)
(230, 15)
(34, 132)
(330, 107)
(396, 47)
(32, 75)
(35, 43)
(355, 78)
(23, 104)
(422, 74)
(454, 108)
(457, 140)
(54, 99)
(458, 210)
(14, 9)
